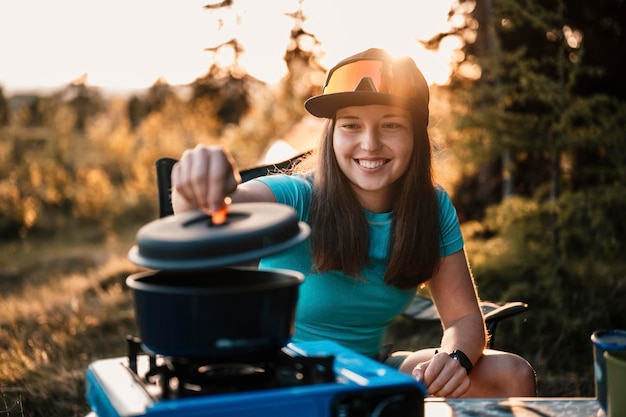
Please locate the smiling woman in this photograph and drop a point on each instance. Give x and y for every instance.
(380, 228)
(122, 45)
(373, 146)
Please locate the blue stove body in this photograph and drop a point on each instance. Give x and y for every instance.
(362, 387)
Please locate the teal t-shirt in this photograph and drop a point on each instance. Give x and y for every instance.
(332, 306)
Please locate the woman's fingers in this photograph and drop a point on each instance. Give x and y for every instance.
(220, 179)
(204, 176)
(185, 178)
(443, 376)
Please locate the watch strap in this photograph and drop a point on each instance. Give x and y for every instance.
(464, 361)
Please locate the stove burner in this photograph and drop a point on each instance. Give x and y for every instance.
(184, 377)
(229, 370)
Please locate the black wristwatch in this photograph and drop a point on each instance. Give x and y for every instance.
(463, 360)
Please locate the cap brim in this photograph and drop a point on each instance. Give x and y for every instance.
(327, 105)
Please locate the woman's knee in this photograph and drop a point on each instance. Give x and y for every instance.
(507, 375)
(527, 377)
(411, 359)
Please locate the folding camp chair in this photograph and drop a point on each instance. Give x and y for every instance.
(421, 309)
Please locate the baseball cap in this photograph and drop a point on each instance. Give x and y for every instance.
(372, 77)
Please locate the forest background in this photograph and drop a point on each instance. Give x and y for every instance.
(529, 140)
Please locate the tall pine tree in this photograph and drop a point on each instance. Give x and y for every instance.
(547, 118)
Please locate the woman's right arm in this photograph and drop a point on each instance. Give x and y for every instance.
(205, 176)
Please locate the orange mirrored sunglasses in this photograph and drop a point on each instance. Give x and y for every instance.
(385, 78)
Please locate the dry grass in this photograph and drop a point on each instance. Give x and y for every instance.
(64, 306)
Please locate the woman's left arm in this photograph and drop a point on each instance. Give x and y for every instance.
(454, 294)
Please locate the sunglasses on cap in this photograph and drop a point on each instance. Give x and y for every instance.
(372, 76)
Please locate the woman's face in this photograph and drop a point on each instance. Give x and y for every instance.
(373, 145)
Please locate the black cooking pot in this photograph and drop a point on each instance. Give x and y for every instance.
(215, 314)
(197, 304)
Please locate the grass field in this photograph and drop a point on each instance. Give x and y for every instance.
(63, 303)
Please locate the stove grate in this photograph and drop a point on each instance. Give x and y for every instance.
(184, 377)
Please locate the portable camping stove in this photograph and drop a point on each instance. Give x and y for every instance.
(305, 379)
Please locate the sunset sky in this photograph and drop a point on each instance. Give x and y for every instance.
(128, 44)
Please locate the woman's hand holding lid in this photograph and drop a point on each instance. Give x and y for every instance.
(203, 178)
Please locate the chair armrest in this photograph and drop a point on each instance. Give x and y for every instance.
(496, 315)
(423, 309)
(505, 310)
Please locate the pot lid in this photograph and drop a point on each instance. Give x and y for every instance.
(191, 241)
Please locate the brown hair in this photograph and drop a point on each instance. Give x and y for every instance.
(340, 237)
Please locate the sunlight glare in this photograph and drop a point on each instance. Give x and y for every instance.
(129, 45)
(349, 27)
(279, 151)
